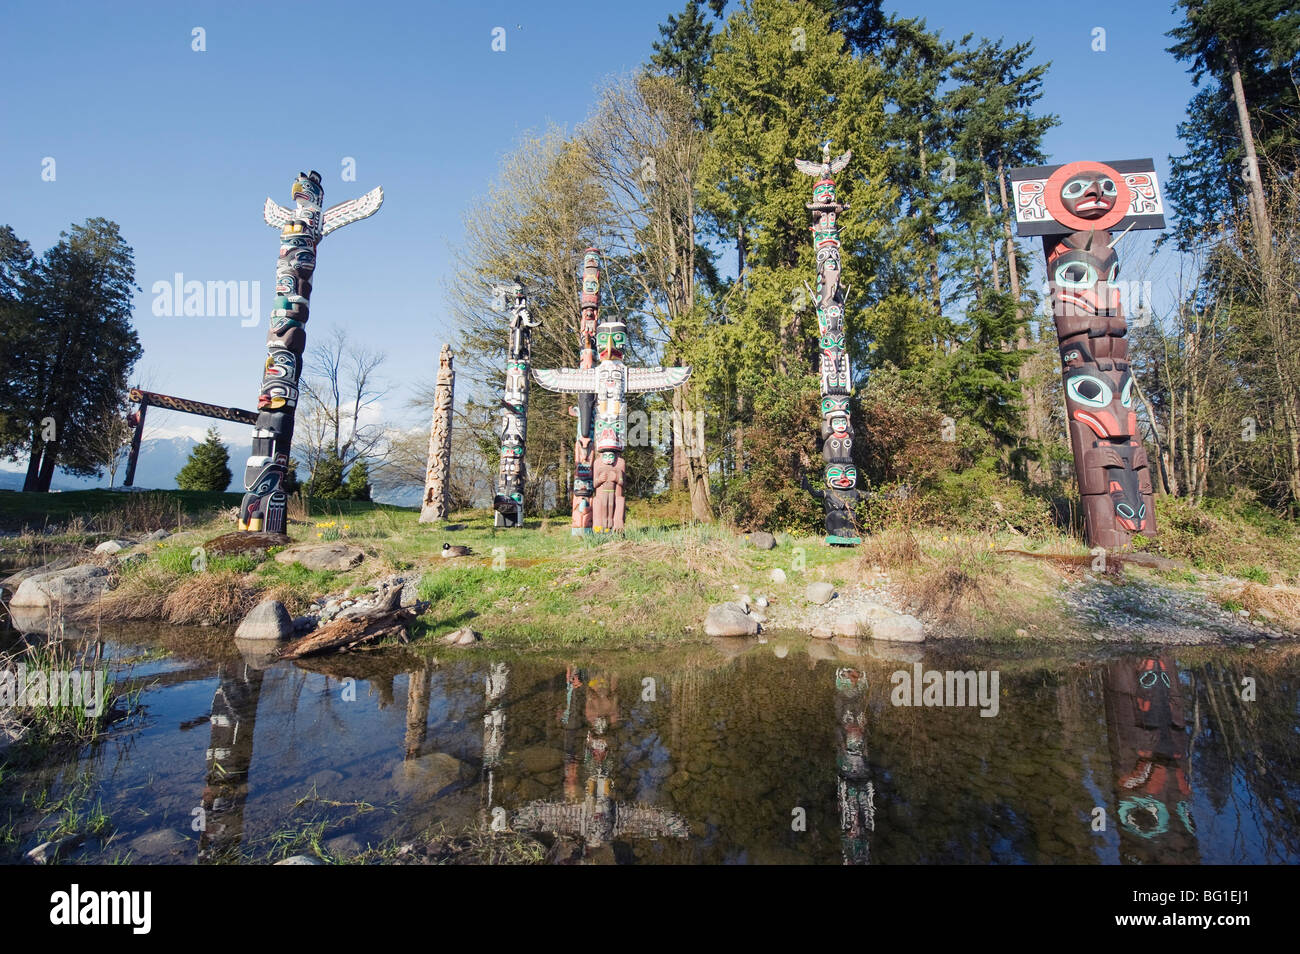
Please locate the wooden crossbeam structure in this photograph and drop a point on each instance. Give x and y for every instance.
(147, 399)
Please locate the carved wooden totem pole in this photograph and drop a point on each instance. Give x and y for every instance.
(840, 493)
(598, 499)
(301, 229)
(509, 499)
(1075, 208)
(437, 481)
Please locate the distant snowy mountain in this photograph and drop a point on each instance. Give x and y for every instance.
(161, 459)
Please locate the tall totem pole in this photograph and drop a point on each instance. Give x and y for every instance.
(598, 495)
(509, 499)
(840, 493)
(301, 229)
(1074, 208)
(437, 480)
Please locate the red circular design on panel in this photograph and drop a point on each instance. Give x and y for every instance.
(1052, 197)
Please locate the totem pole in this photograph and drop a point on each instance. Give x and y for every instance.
(598, 502)
(301, 229)
(841, 477)
(437, 480)
(509, 500)
(1074, 208)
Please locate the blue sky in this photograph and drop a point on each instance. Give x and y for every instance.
(182, 147)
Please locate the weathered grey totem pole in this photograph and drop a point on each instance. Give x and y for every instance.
(840, 493)
(598, 501)
(301, 229)
(1074, 208)
(437, 480)
(508, 501)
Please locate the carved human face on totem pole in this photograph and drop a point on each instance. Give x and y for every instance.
(1149, 745)
(508, 500)
(1074, 208)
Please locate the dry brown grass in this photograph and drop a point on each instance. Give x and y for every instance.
(1277, 604)
(896, 547)
(220, 597)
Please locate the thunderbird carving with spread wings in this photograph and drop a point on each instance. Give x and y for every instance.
(335, 217)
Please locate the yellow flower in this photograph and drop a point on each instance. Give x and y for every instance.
(320, 534)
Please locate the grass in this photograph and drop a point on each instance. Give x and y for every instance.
(541, 587)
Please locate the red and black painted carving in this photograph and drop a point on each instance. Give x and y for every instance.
(1082, 210)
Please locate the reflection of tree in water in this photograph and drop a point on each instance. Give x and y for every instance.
(1148, 740)
(229, 757)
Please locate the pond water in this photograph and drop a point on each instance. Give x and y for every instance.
(784, 751)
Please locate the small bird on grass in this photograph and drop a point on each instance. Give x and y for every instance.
(448, 551)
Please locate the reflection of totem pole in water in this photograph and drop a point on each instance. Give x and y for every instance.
(841, 479)
(606, 386)
(855, 793)
(437, 481)
(417, 712)
(597, 818)
(509, 499)
(1149, 757)
(494, 734)
(1074, 208)
(229, 756)
(301, 230)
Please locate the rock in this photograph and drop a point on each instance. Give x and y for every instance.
(821, 631)
(334, 556)
(427, 775)
(780, 652)
(761, 602)
(164, 841)
(845, 626)
(113, 546)
(729, 619)
(10, 583)
(819, 593)
(157, 535)
(872, 612)
(461, 637)
(267, 620)
(325, 778)
(131, 559)
(410, 592)
(75, 586)
(304, 624)
(48, 851)
(778, 575)
(300, 860)
(899, 629)
(757, 617)
(246, 542)
(346, 844)
(762, 540)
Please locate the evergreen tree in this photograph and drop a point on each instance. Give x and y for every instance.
(357, 486)
(290, 484)
(327, 479)
(208, 467)
(69, 354)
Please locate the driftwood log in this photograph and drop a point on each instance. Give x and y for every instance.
(359, 631)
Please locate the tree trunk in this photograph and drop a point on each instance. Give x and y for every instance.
(1258, 209)
(34, 462)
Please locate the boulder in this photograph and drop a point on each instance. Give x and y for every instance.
(729, 619)
(778, 575)
(819, 593)
(75, 586)
(461, 637)
(268, 620)
(899, 629)
(159, 534)
(113, 546)
(762, 539)
(10, 583)
(335, 556)
(300, 860)
(845, 626)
